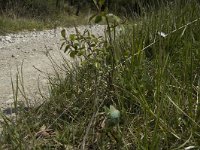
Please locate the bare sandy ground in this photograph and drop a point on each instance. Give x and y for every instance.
(32, 49)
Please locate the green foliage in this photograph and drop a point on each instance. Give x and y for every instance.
(86, 44)
(94, 49)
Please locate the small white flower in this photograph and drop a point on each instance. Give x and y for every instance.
(162, 34)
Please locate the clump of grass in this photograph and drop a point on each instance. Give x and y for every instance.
(8, 25)
(155, 87)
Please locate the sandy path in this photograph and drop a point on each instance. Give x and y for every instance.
(31, 49)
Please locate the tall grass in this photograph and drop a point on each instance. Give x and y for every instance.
(15, 23)
(155, 86)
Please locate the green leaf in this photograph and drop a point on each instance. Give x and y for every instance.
(97, 65)
(73, 53)
(72, 37)
(76, 44)
(63, 33)
(80, 53)
(98, 19)
(93, 45)
(66, 48)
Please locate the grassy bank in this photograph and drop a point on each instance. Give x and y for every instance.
(16, 24)
(137, 90)
(28, 15)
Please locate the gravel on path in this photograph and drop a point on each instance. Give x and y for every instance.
(31, 49)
